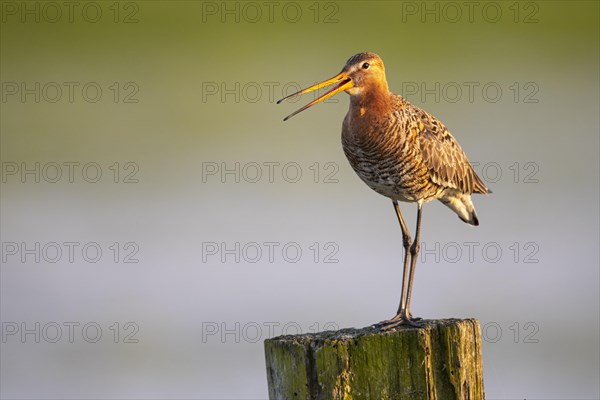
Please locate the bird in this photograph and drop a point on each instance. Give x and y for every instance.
(401, 152)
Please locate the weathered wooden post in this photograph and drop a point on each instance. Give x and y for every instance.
(440, 361)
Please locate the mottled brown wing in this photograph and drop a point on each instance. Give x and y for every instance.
(446, 160)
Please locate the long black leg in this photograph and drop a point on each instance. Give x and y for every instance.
(406, 241)
(403, 316)
(414, 251)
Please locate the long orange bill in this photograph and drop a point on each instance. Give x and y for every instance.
(343, 83)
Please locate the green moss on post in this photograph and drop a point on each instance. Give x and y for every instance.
(441, 361)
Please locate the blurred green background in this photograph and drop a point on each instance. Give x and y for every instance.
(187, 90)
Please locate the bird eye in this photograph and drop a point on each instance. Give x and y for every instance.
(365, 66)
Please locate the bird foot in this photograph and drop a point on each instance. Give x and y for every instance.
(399, 320)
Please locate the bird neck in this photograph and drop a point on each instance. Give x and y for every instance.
(372, 101)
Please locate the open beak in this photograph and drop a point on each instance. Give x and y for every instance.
(342, 81)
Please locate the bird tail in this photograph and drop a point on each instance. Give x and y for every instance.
(479, 186)
(462, 205)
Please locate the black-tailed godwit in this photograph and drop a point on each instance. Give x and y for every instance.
(401, 152)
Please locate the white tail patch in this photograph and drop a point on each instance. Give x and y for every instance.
(462, 205)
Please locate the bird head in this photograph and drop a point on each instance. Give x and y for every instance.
(363, 72)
